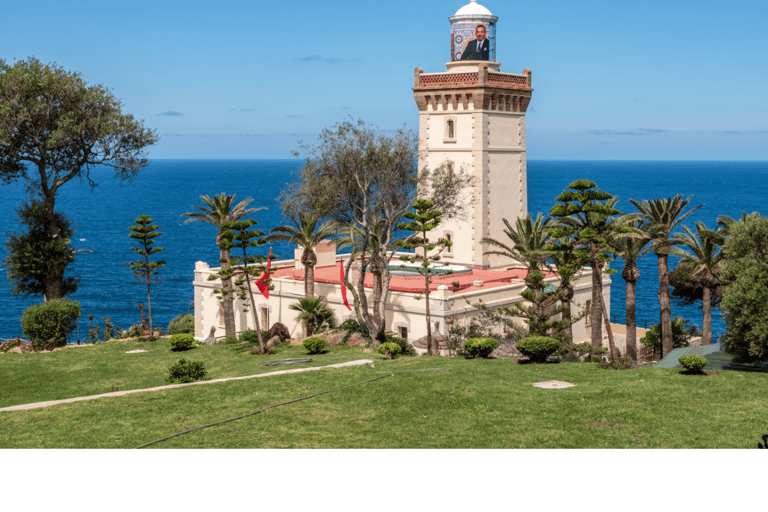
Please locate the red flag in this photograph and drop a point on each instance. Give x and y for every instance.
(260, 284)
(343, 288)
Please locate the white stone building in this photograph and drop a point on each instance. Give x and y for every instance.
(471, 116)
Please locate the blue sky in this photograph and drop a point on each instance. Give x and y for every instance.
(650, 80)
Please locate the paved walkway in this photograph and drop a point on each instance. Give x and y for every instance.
(38, 405)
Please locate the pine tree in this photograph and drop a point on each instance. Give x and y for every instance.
(145, 232)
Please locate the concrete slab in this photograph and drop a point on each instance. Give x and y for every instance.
(553, 384)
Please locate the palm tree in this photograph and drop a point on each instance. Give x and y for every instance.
(218, 211)
(307, 232)
(315, 314)
(631, 249)
(661, 217)
(529, 240)
(707, 263)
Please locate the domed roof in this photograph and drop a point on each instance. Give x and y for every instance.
(473, 9)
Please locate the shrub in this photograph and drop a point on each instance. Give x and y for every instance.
(314, 345)
(538, 348)
(109, 329)
(693, 363)
(352, 326)
(406, 349)
(182, 342)
(230, 340)
(182, 324)
(252, 336)
(187, 371)
(586, 349)
(622, 363)
(47, 325)
(480, 347)
(389, 349)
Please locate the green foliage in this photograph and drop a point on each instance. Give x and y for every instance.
(352, 326)
(680, 334)
(251, 336)
(182, 324)
(109, 329)
(49, 324)
(538, 348)
(406, 348)
(182, 342)
(693, 362)
(584, 349)
(230, 340)
(37, 256)
(314, 345)
(622, 363)
(315, 313)
(490, 323)
(745, 300)
(389, 349)
(686, 288)
(480, 347)
(187, 371)
(145, 233)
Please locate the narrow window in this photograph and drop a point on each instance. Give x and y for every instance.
(449, 249)
(450, 129)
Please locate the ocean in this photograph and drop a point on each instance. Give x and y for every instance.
(168, 188)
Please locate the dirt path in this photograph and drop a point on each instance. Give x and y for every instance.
(38, 405)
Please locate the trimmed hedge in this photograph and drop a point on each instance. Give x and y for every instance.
(480, 347)
(538, 348)
(693, 362)
(47, 325)
(182, 324)
(406, 349)
(187, 371)
(182, 342)
(314, 345)
(389, 349)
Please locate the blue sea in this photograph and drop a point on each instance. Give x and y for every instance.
(168, 188)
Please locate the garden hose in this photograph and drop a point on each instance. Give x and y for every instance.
(283, 362)
(290, 402)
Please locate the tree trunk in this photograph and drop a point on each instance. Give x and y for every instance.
(309, 281)
(596, 311)
(227, 299)
(667, 344)
(706, 332)
(631, 324)
(567, 318)
(611, 345)
(149, 308)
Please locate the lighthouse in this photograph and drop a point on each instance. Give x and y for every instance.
(472, 117)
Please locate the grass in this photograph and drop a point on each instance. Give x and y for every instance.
(477, 404)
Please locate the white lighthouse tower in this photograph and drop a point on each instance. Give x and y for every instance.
(473, 117)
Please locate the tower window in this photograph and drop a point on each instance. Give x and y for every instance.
(450, 129)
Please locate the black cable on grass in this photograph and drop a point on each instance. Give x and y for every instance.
(290, 402)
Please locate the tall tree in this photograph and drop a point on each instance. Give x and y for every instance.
(422, 221)
(592, 224)
(218, 211)
(661, 218)
(745, 301)
(54, 127)
(366, 179)
(569, 262)
(307, 232)
(706, 264)
(35, 256)
(145, 232)
(630, 250)
(243, 269)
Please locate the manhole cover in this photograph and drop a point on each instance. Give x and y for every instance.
(553, 384)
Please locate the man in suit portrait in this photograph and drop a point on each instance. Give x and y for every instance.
(479, 49)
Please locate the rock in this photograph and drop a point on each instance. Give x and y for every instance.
(356, 340)
(367, 351)
(507, 350)
(274, 341)
(334, 338)
(210, 340)
(442, 342)
(15, 350)
(57, 349)
(279, 329)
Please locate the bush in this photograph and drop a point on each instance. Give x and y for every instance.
(109, 329)
(230, 340)
(182, 342)
(622, 363)
(693, 363)
(314, 345)
(406, 349)
(182, 324)
(47, 325)
(187, 371)
(352, 326)
(538, 348)
(252, 336)
(389, 349)
(480, 347)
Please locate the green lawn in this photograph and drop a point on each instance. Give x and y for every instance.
(477, 404)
